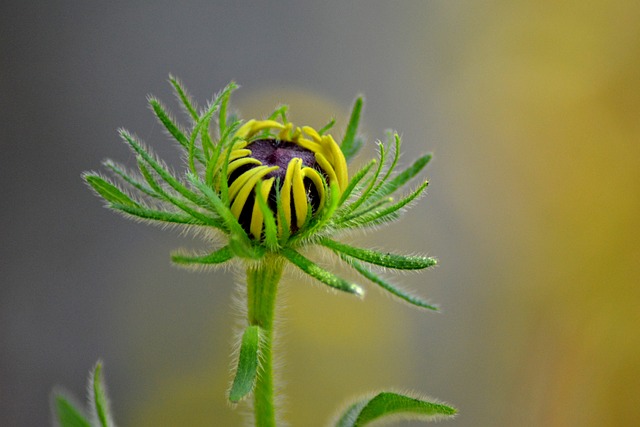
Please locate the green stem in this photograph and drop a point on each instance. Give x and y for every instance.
(262, 287)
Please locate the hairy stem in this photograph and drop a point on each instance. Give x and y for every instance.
(262, 286)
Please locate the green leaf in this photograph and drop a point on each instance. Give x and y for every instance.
(171, 199)
(361, 217)
(223, 254)
(326, 127)
(128, 177)
(400, 262)
(247, 364)
(355, 180)
(402, 178)
(270, 226)
(108, 191)
(168, 122)
(393, 405)
(99, 400)
(411, 299)
(158, 167)
(364, 196)
(68, 415)
(350, 144)
(239, 241)
(164, 216)
(319, 273)
(186, 99)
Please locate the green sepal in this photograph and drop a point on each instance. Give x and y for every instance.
(99, 401)
(404, 296)
(393, 405)
(67, 414)
(319, 273)
(400, 262)
(220, 256)
(350, 144)
(108, 191)
(248, 361)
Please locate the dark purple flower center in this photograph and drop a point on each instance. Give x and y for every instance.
(274, 152)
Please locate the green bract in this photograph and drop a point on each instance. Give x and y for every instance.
(258, 218)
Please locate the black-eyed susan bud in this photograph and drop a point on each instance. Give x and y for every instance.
(296, 165)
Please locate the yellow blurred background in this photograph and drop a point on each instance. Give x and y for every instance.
(533, 112)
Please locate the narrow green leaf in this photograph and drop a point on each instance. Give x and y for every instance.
(222, 118)
(247, 364)
(326, 127)
(402, 178)
(220, 256)
(355, 180)
(163, 216)
(99, 399)
(186, 99)
(280, 111)
(239, 241)
(394, 162)
(270, 227)
(168, 122)
(108, 191)
(129, 178)
(319, 273)
(411, 299)
(400, 262)
(171, 199)
(156, 166)
(350, 145)
(68, 415)
(364, 217)
(364, 197)
(393, 405)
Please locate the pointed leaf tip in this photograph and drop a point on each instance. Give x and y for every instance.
(393, 405)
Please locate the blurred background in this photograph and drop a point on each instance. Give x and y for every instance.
(532, 111)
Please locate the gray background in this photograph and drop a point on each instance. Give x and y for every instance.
(475, 84)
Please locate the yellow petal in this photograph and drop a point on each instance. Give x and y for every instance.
(285, 195)
(247, 188)
(241, 162)
(312, 133)
(339, 162)
(315, 177)
(300, 201)
(257, 216)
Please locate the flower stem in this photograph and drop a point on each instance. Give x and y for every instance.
(262, 286)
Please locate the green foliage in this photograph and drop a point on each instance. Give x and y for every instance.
(388, 405)
(198, 196)
(68, 415)
(247, 364)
